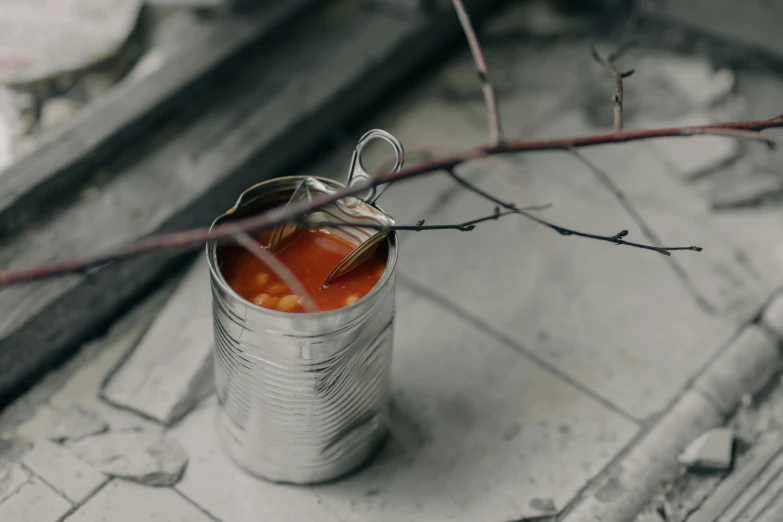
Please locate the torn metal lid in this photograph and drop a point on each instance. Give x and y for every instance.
(355, 220)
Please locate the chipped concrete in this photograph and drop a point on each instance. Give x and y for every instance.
(149, 458)
(711, 451)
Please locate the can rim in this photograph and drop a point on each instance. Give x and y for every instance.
(217, 275)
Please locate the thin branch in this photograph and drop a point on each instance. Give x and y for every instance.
(612, 187)
(280, 270)
(467, 226)
(617, 239)
(648, 232)
(617, 97)
(195, 238)
(493, 112)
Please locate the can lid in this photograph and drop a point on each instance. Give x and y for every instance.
(355, 220)
(358, 174)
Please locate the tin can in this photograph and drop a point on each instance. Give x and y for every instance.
(302, 398)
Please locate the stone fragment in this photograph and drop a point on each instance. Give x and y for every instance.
(34, 501)
(45, 40)
(74, 479)
(56, 111)
(712, 451)
(149, 458)
(171, 369)
(76, 423)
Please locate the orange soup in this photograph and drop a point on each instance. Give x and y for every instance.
(310, 255)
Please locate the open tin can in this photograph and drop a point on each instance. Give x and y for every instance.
(302, 398)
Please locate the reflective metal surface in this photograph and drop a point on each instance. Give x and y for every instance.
(302, 398)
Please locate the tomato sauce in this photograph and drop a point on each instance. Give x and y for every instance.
(310, 255)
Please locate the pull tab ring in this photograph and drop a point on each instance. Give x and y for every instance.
(358, 174)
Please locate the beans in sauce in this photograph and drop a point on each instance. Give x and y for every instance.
(310, 255)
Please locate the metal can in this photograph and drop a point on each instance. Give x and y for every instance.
(302, 398)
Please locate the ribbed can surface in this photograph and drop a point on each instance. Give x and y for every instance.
(302, 398)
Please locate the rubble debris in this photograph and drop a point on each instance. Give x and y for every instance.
(149, 458)
(56, 110)
(171, 368)
(76, 423)
(44, 41)
(712, 451)
(687, 493)
(738, 491)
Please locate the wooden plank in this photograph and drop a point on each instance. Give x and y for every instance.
(171, 368)
(267, 116)
(70, 154)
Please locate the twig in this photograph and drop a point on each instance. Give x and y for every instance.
(467, 226)
(280, 270)
(197, 237)
(493, 113)
(617, 97)
(617, 239)
(648, 232)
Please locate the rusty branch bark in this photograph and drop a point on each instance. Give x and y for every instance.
(195, 238)
(190, 239)
(617, 97)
